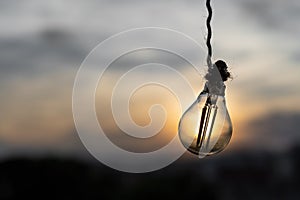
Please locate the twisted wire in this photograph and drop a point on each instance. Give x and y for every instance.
(209, 33)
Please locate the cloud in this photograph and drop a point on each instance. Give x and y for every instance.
(279, 15)
(40, 53)
(43, 43)
(276, 131)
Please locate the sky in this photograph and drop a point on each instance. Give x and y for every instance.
(43, 43)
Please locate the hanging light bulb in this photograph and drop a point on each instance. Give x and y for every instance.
(205, 128)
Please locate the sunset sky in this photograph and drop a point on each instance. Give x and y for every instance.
(43, 43)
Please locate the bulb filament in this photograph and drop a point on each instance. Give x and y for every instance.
(208, 116)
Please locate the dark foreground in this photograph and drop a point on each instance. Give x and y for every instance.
(243, 176)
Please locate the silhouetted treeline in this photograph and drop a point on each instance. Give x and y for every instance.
(242, 176)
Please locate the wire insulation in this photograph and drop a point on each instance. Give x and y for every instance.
(209, 33)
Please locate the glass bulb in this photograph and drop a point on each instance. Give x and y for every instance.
(205, 128)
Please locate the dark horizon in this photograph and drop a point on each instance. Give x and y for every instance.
(240, 176)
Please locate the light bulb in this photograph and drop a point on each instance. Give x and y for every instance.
(206, 128)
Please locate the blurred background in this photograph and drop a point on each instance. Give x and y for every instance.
(43, 43)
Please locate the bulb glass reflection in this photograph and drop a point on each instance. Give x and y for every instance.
(206, 128)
